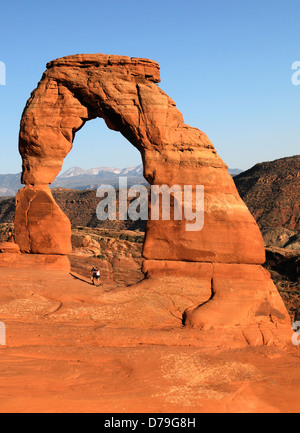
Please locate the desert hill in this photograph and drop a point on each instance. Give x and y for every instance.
(271, 191)
(7, 209)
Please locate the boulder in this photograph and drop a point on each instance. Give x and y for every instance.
(9, 247)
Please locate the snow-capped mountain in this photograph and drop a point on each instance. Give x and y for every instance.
(132, 171)
(79, 178)
(10, 184)
(78, 171)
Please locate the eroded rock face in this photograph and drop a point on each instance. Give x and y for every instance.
(40, 226)
(125, 93)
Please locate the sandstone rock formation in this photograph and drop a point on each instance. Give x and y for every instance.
(40, 226)
(9, 247)
(74, 348)
(225, 256)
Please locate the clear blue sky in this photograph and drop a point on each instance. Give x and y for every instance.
(227, 64)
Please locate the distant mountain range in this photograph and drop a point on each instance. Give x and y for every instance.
(102, 171)
(9, 184)
(78, 178)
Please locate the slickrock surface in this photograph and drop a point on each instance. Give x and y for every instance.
(72, 347)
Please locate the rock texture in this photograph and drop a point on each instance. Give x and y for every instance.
(33, 262)
(226, 255)
(72, 347)
(40, 226)
(9, 247)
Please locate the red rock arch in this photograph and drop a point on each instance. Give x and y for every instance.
(125, 93)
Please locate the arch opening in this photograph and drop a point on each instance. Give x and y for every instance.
(95, 145)
(96, 170)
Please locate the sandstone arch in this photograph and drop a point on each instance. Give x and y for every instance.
(124, 91)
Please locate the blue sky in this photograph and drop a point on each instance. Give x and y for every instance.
(227, 64)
